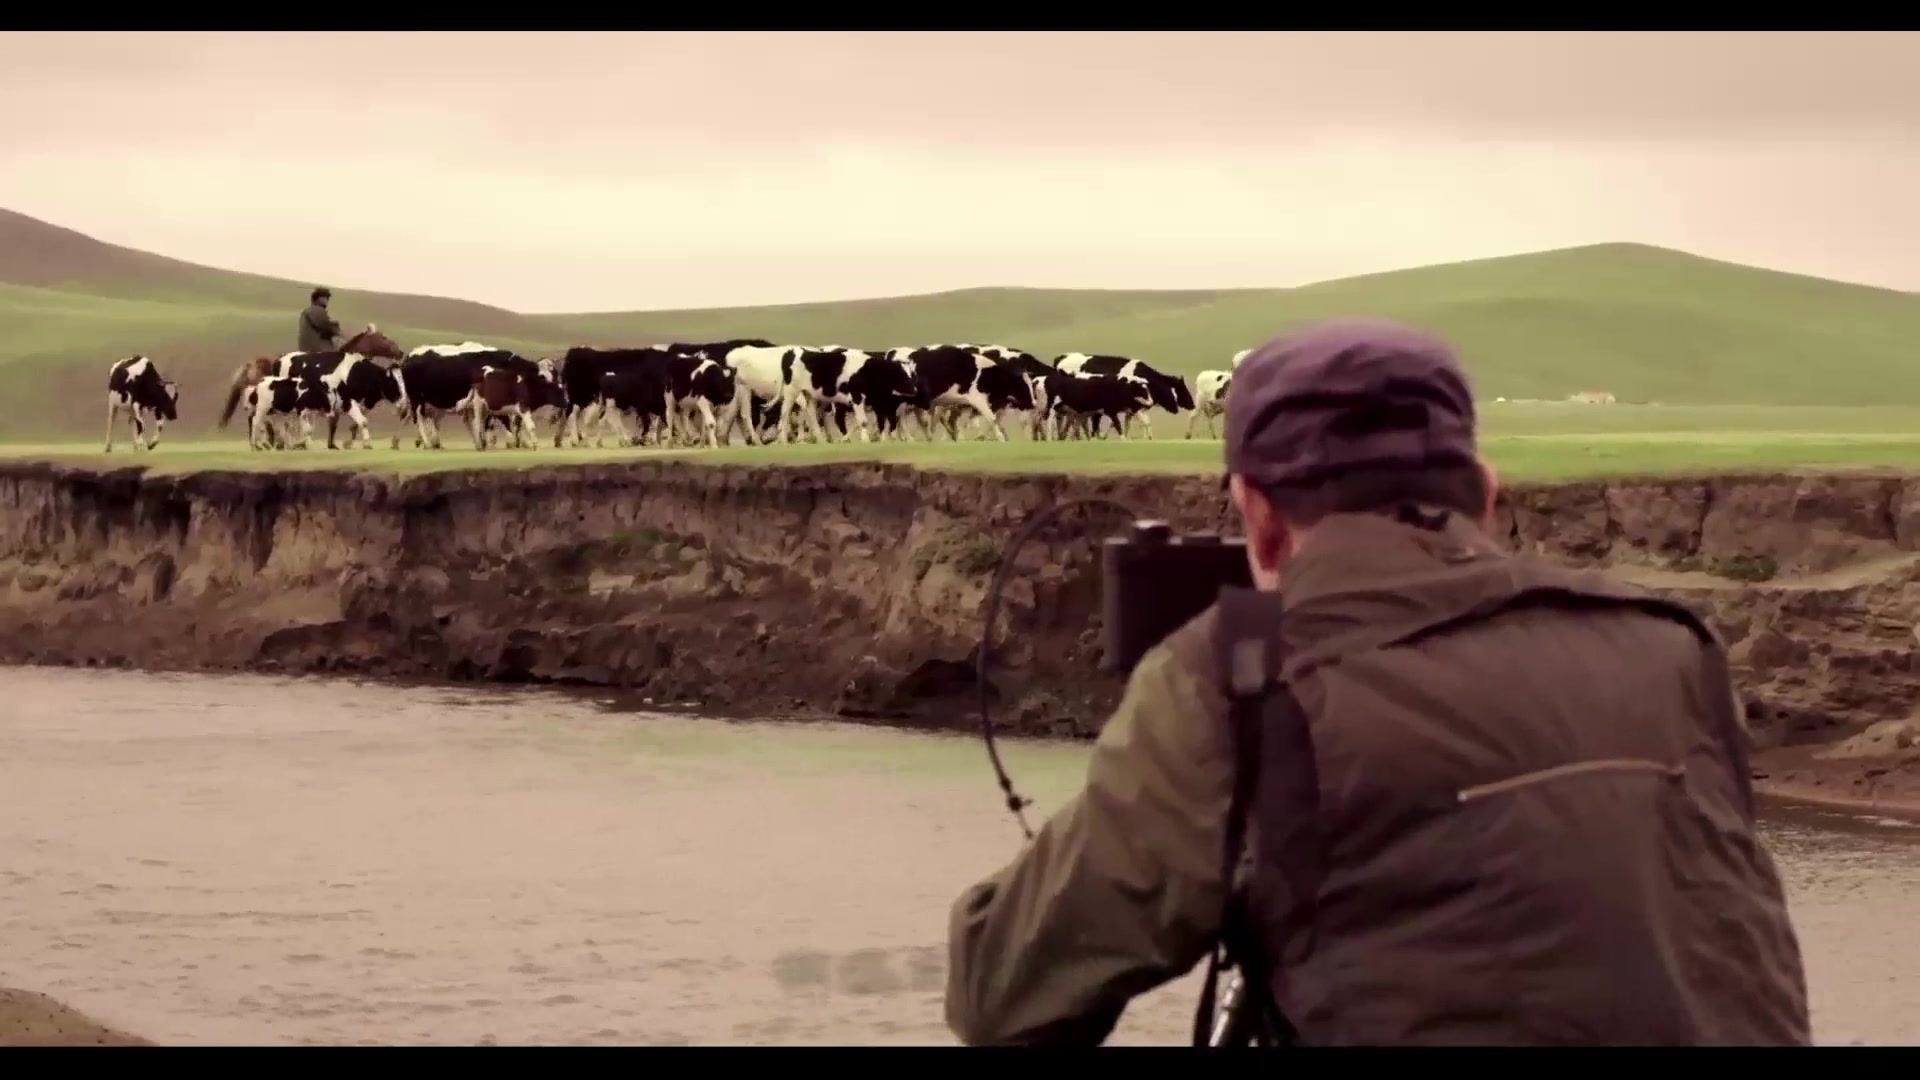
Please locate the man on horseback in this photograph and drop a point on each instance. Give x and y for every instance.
(317, 328)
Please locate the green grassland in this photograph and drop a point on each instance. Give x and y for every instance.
(1715, 365)
(1524, 441)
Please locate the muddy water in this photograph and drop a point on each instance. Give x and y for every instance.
(206, 859)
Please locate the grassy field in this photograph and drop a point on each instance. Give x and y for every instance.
(1645, 324)
(1525, 442)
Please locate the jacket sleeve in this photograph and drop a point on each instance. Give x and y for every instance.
(1120, 891)
(323, 322)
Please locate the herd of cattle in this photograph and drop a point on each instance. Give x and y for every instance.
(677, 394)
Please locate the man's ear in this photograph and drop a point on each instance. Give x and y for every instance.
(1269, 541)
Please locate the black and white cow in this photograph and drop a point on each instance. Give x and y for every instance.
(278, 397)
(1169, 392)
(1080, 401)
(697, 391)
(710, 392)
(817, 379)
(583, 367)
(640, 389)
(135, 386)
(760, 374)
(956, 377)
(655, 385)
(359, 382)
(441, 379)
(1209, 399)
(1035, 372)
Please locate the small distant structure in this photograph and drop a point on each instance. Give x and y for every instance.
(1591, 397)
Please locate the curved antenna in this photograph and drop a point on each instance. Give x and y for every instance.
(1017, 803)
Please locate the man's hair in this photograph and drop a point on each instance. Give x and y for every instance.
(1457, 486)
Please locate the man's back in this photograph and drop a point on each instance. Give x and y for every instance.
(1531, 826)
(1576, 894)
(317, 329)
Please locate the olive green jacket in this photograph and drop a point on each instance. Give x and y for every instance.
(1122, 890)
(317, 329)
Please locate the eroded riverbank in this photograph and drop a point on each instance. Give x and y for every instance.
(204, 859)
(856, 589)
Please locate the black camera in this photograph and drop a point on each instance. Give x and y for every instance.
(1153, 581)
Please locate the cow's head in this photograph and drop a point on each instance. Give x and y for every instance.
(168, 407)
(718, 383)
(1181, 394)
(393, 388)
(1005, 387)
(886, 379)
(1166, 392)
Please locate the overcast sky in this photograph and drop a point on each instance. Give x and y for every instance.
(585, 171)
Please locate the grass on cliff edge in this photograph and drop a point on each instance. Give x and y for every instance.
(1525, 442)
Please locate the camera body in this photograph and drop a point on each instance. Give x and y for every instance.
(1152, 581)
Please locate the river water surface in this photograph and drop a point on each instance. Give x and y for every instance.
(204, 859)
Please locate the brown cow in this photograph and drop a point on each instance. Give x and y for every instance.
(507, 392)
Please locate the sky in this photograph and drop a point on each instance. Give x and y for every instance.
(602, 171)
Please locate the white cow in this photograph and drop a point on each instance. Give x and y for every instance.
(1209, 398)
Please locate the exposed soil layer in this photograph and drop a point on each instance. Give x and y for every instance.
(858, 589)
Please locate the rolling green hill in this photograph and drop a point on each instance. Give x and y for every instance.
(1642, 323)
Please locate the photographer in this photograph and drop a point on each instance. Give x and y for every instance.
(1485, 799)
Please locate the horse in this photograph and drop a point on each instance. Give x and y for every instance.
(370, 343)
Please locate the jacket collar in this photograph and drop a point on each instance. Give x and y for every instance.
(1364, 568)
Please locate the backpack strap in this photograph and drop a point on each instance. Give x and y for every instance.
(1264, 721)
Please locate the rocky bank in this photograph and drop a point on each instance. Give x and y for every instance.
(858, 589)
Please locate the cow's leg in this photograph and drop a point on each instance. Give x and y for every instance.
(474, 408)
(810, 410)
(860, 418)
(306, 428)
(784, 425)
(708, 423)
(985, 412)
(113, 416)
(333, 428)
(427, 437)
(596, 417)
(361, 430)
(743, 411)
(610, 414)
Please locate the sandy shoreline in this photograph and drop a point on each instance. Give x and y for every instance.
(1881, 784)
(32, 1019)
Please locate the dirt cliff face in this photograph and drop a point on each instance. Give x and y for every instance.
(848, 588)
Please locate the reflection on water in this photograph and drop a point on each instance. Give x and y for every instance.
(265, 860)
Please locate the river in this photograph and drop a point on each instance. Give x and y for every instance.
(209, 859)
